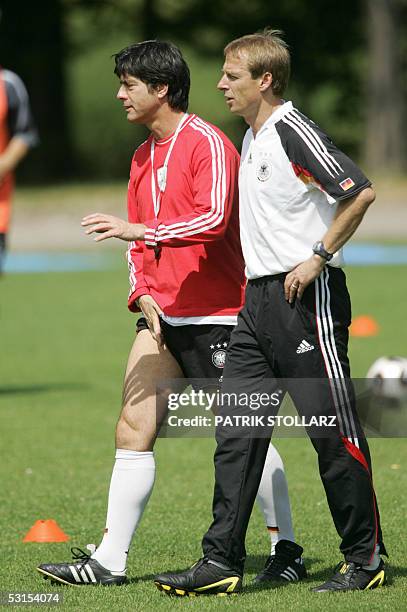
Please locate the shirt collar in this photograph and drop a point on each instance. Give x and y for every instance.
(276, 116)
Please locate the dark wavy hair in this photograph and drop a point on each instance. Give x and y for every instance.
(157, 63)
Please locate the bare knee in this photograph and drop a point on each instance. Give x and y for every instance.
(133, 437)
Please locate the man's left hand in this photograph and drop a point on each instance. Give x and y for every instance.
(301, 276)
(112, 227)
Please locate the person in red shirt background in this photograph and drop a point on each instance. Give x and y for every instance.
(187, 279)
(17, 135)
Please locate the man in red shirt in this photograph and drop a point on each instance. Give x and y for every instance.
(187, 278)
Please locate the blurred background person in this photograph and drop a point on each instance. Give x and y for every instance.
(17, 135)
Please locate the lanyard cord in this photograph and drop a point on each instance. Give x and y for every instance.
(162, 183)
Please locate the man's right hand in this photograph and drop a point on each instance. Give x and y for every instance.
(109, 226)
(152, 311)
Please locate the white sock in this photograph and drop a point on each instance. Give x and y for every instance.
(375, 562)
(130, 488)
(273, 499)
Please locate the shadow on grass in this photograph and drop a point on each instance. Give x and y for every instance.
(148, 577)
(393, 572)
(45, 388)
(313, 579)
(254, 564)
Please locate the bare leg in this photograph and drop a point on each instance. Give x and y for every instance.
(134, 470)
(147, 364)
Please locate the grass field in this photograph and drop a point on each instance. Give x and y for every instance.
(64, 343)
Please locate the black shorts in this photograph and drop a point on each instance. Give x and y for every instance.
(200, 350)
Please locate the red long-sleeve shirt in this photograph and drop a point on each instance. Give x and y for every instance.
(200, 269)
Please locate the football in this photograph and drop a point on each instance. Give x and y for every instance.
(387, 378)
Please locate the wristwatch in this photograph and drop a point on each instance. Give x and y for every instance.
(320, 250)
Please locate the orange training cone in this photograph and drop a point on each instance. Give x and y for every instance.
(46, 531)
(364, 326)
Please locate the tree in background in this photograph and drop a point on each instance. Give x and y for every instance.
(33, 43)
(385, 148)
(347, 67)
(326, 43)
(347, 62)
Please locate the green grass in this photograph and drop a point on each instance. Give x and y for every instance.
(64, 343)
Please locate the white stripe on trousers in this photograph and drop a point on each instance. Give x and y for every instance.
(342, 383)
(330, 355)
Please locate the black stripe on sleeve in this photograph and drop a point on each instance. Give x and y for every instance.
(314, 156)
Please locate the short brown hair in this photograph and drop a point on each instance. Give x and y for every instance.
(266, 52)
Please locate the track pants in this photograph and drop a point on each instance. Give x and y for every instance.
(272, 340)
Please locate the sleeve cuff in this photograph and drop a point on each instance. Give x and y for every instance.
(354, 192)
(150, 234)
(131, 303)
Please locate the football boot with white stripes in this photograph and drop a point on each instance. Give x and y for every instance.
(203, 578)
(285, 565)
(352, 577)
(85, 572)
